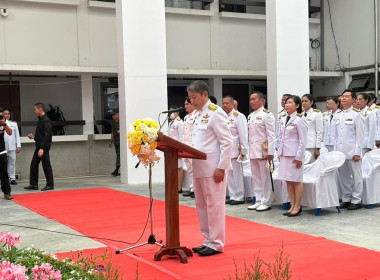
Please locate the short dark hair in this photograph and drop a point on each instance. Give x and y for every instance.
(187, 99)
(297, 101)
(335, 99)
(259, 93)
(372, 96)
(365, 96)
(198, 86)
(312, 99)
(230, 98)
(287, 94)
(40, 105)
(353, 93)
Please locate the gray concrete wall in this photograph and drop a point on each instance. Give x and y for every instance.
(71, 158)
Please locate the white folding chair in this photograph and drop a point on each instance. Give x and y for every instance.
(371, 175)
(320, 189)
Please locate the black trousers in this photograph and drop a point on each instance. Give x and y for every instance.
(5, 186)
(33, 179)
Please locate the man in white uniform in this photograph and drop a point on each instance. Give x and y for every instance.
(187, 139)
(12, 145)
(349, 140)
(237, 124)
(211, 136)
(261, 126)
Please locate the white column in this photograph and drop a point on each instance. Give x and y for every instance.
(216, 89)
(142, 75)
(87, 104)
(287, 33)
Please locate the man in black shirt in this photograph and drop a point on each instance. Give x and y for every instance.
(5, 186)
(43, 139)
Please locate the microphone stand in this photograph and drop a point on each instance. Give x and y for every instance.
(152, 238)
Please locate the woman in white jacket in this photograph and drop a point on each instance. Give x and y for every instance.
(314, 120)
(329, 122)
(291, 150)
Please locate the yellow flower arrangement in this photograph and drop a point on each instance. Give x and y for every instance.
(142, 140)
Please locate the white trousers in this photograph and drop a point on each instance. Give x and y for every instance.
(235, 181)
(12, 165)
(350, 181)
(248, 189)
(210, 204)
(261, 181)
(189, 165)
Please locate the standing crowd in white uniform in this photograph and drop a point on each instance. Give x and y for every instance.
(350, 124)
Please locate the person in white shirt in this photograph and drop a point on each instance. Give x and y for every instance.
(291, 150)
(329, 122)
(237, 123)
(211, 136)
(349, 140)
(369, 116)
(12, 145)
(187, 139)
(314, 120)
(372, 101)
(261, 127)
(175, 131)
(280, 115)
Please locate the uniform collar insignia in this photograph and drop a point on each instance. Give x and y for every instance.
(206, 116)
(231, 121)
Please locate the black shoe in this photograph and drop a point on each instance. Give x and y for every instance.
(188, 193)
(8, 196)
(116, 172)
(180, 191)
(236, 202)
(192, 196)
(13, 182)
(354, 206)
(199, 248)
(31, 187)
(228, 201)
(295, 214)
(208, 252)
(47, 188)
(344, 205)
(286, 213)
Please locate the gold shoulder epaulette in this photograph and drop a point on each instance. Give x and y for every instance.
(300, 115)
(178, 118)
(266, 111)
(212, 107)
(236, 113)
(316, 110)
(356, 110)
(370, 109)
(377, 106)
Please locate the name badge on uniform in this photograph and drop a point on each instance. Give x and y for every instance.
(309, 120)
(292, 124)
(204, 121)
(348, 121)
(258, 120)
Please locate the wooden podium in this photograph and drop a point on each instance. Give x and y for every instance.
(174, 149)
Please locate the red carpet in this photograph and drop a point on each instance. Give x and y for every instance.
(121, 216)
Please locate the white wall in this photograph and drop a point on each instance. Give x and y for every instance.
(353, 23)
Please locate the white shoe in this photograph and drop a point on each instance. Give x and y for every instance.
(263, 208)
(254, 206)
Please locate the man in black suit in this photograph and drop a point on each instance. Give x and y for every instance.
(43, 139)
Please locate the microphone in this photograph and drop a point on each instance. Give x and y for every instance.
(174, 110)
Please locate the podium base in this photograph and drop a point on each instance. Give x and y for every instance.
(181, 252)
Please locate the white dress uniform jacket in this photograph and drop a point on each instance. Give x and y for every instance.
(370, 126)
(175, 131)
(378, 123)
(280, 115)
(293, 137)
(12, 141)
(349, 133)
(313, 118)
(261, 126)
(237, 123)
(211, 136)
(329, 123)
(188, 123)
